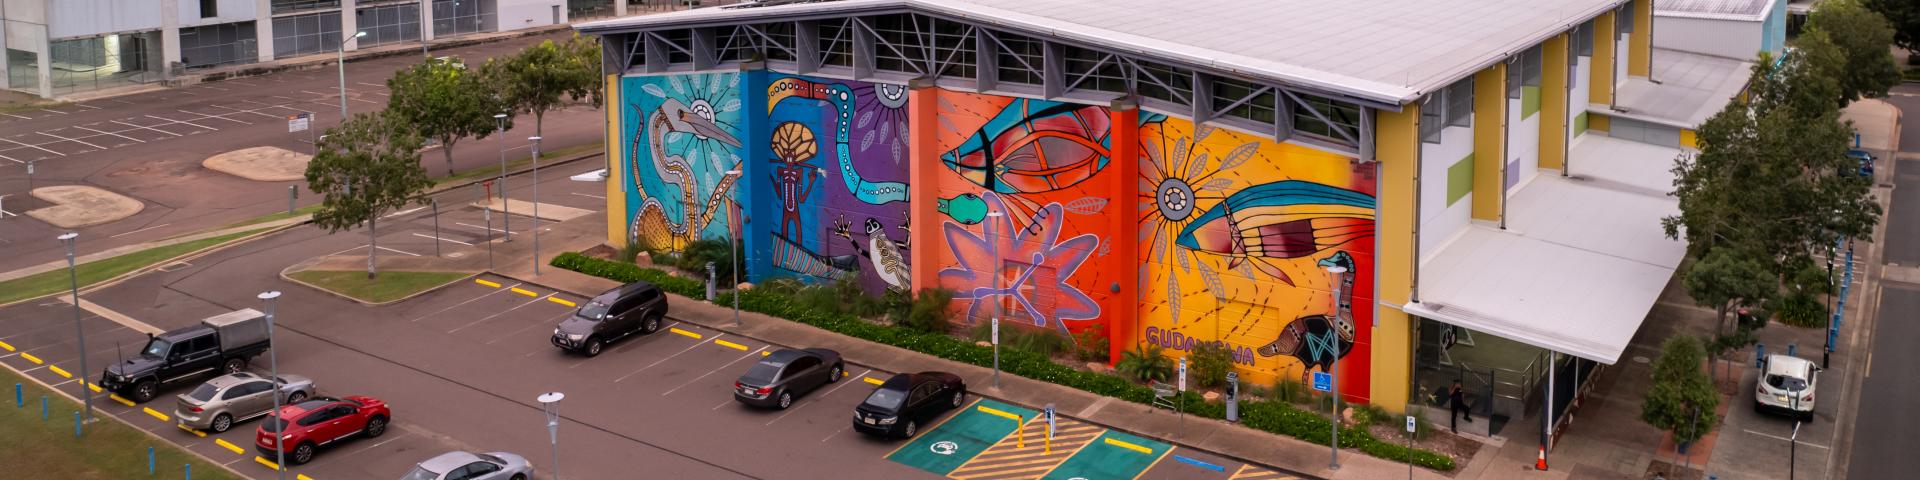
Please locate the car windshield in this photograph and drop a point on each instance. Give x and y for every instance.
(491, 458)
(763, 372)
(1787, 383)
(886, 398)
(157, 347)
(593, 311)
(273, 424)
(421, 473)
(204, 393)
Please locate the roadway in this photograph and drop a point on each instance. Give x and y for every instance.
(1888, 427)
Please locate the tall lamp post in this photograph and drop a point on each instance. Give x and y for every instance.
(500, 127)
(550, 403)
(999, 305)
(73, 276)
(536, 203)
(273, 370)
(1339, 277)
(342, 50)
(733, 250)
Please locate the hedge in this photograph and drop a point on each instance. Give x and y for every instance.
(1268, 415)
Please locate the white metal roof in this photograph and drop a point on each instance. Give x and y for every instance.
(1692, 88)
(1391, 51)
(1743, 10)
(1580, 264)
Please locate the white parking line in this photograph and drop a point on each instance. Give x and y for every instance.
(404, 212)
(488, 230)
(210, 87)
(586, 195)
(467, 301)
(11, 158)
(502, 312)
(145, 127)
(1785, 439)
(82, 105)
(52, 110)
(655, 363)
(32, 146)
(237, 110)
(377, 445)
(74, 140)
(516, 333)
(104, 132)
(715, 369)
(183, 122)
(371, 84)
(140, 230)
(443, 239)
(205, 116)
(812, 399)
(17, 116)
(397, 251)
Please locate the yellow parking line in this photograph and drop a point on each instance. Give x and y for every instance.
(31, 358)
(94, 386)
(264, 461)
(487, 283)
(6, 346)
(156, 414)
(872, 380)
(692, 335)
(765, 353)
(302, 477)
(122, 400)
(1125, 445)
(228, 446)
(731, 345)
(562, 301)
(526, 292)
(196, 433)
(59, 371)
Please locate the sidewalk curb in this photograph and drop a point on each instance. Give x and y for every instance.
(283, 276)
(981, 391)
(115, 280)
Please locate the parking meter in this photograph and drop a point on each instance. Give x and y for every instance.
(1233, 397)
(712, 290)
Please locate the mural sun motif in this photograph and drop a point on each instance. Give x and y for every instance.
(690, 139)
(882, 113)
(1174, 180)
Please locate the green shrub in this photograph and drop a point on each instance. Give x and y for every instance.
(628, 253)
(925, 312)
(1799, 309)
(721, 252)
(1209, 363)
(1145, 363)
(1368, 414)
(1093, 343)
(1043, 342)
(1290, 390)
(629, 273)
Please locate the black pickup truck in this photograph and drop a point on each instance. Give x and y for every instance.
(219, 345)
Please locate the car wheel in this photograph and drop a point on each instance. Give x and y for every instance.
(593, 347)
(652, 324)
(519, 477)
(233, 365)
(296, 397)
(786, 400)
(912, 428)
(302, 454)
(838, 371)
(375, 427)
(959, 397)
(145, 391)
(221, 423)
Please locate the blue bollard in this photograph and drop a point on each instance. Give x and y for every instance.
(1759, 355)
(149, 460)
(76, 424)
(19, 396)
(189, 470)
(43, 408)
(1790, 349)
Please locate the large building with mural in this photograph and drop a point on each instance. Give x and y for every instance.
(1422, 191)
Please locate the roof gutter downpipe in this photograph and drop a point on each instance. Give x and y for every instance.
(1419, 154)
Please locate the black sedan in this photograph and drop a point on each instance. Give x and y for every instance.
(788, 373)
(905, 401)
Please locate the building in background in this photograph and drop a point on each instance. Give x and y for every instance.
(1732, 29)
(62, 47)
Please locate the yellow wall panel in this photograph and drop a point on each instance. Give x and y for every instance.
(616, 196)
(1640, 42)
(1600, 68)
(1553, 103)
(1489, 141)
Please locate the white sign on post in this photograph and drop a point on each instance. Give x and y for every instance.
(996, 331)
(1409, 424)
(1183, 374)
(299, 122)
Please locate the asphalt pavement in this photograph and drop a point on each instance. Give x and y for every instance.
(1888, 427)
(149, 146)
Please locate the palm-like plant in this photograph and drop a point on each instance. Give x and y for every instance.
(1145, 363)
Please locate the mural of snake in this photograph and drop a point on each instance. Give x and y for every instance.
(651, 228)
(841, 98)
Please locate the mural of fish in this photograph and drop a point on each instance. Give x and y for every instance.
(1034, 146)
(1280, 220)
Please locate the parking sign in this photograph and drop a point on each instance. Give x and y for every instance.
(996, 331)
(1183, 374)
(1323, 381)
(299, 122)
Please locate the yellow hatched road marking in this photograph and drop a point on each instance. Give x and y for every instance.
(1124, 444)
(526, 292)
(196, 433)
(1007, 459)
(6, 346)
(731, 345)
(122, 400)
(156, 414)
(228, 446)
(562, 301)
(1249, 471)
(487, 283)
(31, 358)
(872, 380)
(264, 461)
(692, 335)
(59, 371)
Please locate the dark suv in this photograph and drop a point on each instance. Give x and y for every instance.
(633, 308)
(788, 373)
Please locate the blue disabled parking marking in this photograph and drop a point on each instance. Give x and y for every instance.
(1199, 463)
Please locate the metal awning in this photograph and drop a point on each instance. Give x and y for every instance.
(1582, 261)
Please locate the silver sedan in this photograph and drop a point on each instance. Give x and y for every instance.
(228, 399)
(472, 466)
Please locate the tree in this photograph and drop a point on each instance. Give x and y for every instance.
(1904, 17)
(1725, 278)
(1682, 398)
(443, 101)
(366, 167)
(544, 77)
(1864, 39)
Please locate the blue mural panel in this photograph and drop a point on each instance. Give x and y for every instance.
(683, 134)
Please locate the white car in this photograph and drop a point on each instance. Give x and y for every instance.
(472, 466)
(1786, 385)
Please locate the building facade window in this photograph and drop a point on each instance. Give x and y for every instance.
(460, 17)
(213, 45)
(387, 24)
(1583, 39)
(1530, 64)
(1018, 54)
(1164, 83)
(306, 34)
(284, 6)
(1624, 19)
(897, 46)
(1433, 114)
(86, 64)
(836, 43)
(1259, 109)
(1460, 103)
(209, 8)
(1341, 115)
(1101, 73)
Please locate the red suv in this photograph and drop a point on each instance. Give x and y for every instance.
(317, 422)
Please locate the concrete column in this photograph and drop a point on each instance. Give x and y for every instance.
(923, 168)
(1600, 73)
(619, 8)
(758, 201)
(1489, 141)
(169, 36)
(1553, 102)
(617, 221)
(46, 63)
(349, 23)
(1123, 304)
(263, 30)
(1640, 42)
(1397, 146)
(426, 20)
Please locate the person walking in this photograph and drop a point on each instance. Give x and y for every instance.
(1458, 400)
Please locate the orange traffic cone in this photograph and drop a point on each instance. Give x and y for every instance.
(1541, 463)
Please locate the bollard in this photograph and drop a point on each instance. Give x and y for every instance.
(188, 467)
(1790, 349)
(76, 424)
(1759, 355)
(150, 465)
(43, 408)
(292, 193)
(19, 396)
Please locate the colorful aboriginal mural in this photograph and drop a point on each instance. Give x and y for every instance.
(838, 168)
(1236, 234)
(681, 135)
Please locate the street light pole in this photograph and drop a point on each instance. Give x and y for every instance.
(343, 73)
(733, 250)
(550, 403)
(999, 307)
(73, 277)
(1339, 276)
(500, 127)
(273, 370)
(536, 203)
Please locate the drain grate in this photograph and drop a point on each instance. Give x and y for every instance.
(1640, 359)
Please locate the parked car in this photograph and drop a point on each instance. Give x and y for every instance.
(222, 343)
(788, 373)
(902, 403)
(1866, 162)
(636, 307)
(1786, 386)
(302, 428)
(472, 466)
(228, 399)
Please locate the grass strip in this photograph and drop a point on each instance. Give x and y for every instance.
(94, 272)
(46, 448)
(385, 287)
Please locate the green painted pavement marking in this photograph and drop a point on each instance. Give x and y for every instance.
(963, 436)
(1114, 455)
